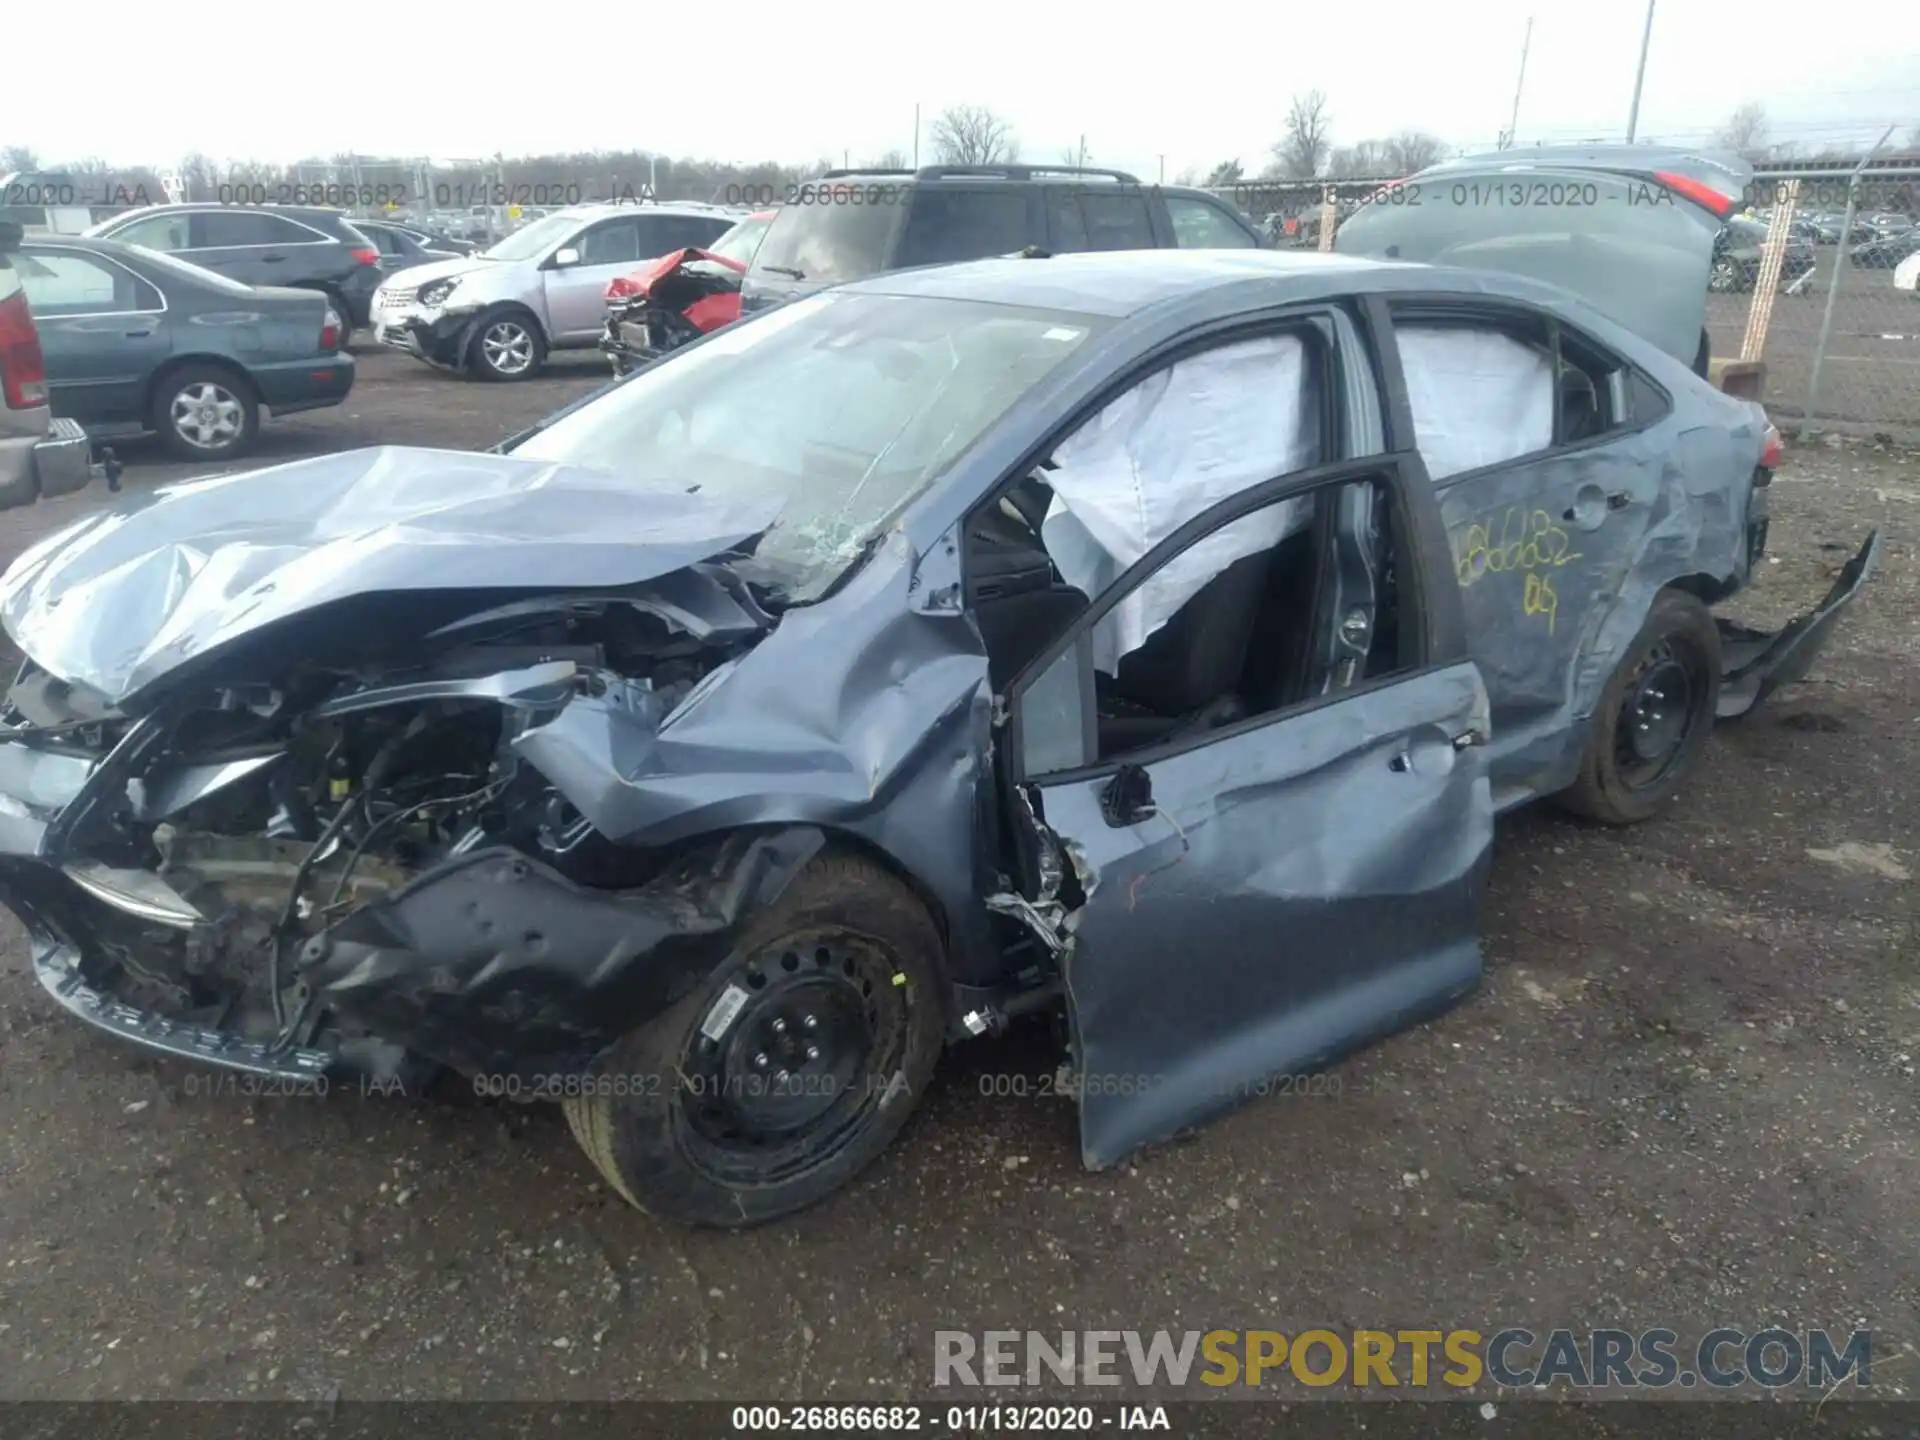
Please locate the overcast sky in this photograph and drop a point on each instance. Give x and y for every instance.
(737, 82)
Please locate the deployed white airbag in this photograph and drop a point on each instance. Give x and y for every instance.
(1175, 445)
(1478, 397)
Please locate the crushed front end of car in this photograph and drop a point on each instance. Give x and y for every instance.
(672, 301)
(258, 808)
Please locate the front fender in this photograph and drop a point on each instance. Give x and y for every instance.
(495, 964)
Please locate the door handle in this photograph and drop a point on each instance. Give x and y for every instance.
(272, 259)
(136, 334)
(1586, 513)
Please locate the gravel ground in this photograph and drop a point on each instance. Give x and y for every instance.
(1684, 1097)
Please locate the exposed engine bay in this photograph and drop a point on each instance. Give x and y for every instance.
(671, 303)
(246, 826)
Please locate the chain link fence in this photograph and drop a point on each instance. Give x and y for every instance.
(1803, 280)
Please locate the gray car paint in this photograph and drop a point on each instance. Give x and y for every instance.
(868, 715)
(1591, 219)
(294, 537)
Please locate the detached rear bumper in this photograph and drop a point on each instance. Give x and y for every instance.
(1756, 664)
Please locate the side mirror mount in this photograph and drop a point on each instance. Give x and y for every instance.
(566, 255)
(1127, 799)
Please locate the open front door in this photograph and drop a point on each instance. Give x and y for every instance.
(1270, 878)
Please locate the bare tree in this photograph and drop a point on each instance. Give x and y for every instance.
(17, 157)
(1745, 131)
(973, 135)
(1227, 172)
(1303, 151)
(1412, 150)
(895, 159)
(1364, 160)
(1191, 177)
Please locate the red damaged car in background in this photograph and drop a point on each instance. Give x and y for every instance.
(679, 297)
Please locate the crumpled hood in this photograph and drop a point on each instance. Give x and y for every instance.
(642, 281)
(132, 592)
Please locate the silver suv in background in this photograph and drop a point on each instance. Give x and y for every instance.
(497, 314)
(39, 455)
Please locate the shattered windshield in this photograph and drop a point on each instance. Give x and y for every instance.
(843, 407)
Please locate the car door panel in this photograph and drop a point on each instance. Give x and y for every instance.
(1304, 888)
(99, 357)
(1289, 887)
(576, 295)
(1542, 550)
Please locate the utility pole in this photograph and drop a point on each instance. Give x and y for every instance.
(1512, 137)
(1163, 169)
(916, 134)
(1640, 75)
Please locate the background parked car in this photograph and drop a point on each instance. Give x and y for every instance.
(1739, 250)
(293, 245)
(681, 296)
(943, 213)
(1887, 252)
(499, 313)
(1828, 226)
(39, 454)
(136, 341)
(1906, 275)
(402, 248)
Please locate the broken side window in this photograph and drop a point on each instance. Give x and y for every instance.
(1480, 394)
(1249, 643)
(1175, 445)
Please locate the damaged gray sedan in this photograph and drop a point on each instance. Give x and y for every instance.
(1152, 633)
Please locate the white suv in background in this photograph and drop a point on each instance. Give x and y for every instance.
(39, 455)
(1906, 275)
(498, 313)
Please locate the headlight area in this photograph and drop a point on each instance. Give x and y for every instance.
(363, 875)
(436, 293)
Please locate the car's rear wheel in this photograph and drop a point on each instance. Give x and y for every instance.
(204, 412)
(507, 345)
(1654, 716)
(788, 1070)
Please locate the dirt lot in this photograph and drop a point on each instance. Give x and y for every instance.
(1686, 1096)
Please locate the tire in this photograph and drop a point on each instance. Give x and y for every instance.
(691, 1138)
(1640, 751)
(347, 327)
(210, 401)
(507, 346)
(1724, 278)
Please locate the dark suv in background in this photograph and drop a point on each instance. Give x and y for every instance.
(295, 245)
(853, 223)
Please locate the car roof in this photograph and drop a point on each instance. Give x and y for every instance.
(1118, 283)
(595, 209)
(296, 212)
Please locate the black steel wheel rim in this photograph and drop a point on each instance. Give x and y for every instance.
(1660, 712)
(803, 1064)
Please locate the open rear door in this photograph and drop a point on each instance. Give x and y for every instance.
(1250, 896)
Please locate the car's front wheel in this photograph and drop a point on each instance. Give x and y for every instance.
(1724, 278)
(508, 346)
(1654, 716)
(788, 1070)
(203, 412)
